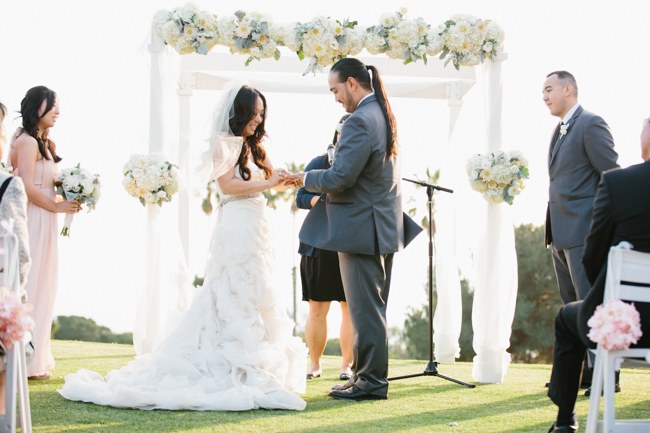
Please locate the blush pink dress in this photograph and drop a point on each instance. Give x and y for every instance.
(42, 280)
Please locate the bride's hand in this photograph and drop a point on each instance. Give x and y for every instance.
(277, 177)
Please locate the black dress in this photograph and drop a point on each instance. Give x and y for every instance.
(319, 269)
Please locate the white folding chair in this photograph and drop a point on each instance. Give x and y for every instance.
(628, 279)
(16, 365)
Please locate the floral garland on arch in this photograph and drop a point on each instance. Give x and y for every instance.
(499, 175)
(462, 40)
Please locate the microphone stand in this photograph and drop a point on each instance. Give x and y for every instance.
(432, 366)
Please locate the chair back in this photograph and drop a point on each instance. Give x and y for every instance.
(16, 392)
(628, 275)
(628, 279)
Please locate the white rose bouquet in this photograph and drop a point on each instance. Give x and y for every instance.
(187, 29)
(399, 38)
(325, 41)
(499, 176)
(468, 40)
(78, 184)
(250, 34)
(150, 178)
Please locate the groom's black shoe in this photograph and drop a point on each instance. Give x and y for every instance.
(342, 386)
(567, 428)
(355, 393)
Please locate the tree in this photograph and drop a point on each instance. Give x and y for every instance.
(537, 304)
(414, 210)
(416, 327)
(537, 301)
(84, 329)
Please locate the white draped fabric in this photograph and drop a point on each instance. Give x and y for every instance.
(167, 290)
(495, 288)
(448, 317)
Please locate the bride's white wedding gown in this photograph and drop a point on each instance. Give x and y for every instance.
(234, 348)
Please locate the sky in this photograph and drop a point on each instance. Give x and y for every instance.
(94, 55)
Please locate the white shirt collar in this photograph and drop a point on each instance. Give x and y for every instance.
(365, 97)
(569, 113)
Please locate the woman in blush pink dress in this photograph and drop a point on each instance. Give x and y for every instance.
(33, 156)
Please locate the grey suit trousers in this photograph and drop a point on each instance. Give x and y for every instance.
(366, 282)
(570, 273)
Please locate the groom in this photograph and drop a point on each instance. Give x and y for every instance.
(362, 219)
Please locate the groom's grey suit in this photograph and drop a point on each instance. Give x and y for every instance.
(362, 219)
(575, 163)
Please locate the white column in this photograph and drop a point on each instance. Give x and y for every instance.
(147, 317)
(496, 286)
(185, 89)
(156, 135)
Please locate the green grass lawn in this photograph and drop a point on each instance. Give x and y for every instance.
(424, 404)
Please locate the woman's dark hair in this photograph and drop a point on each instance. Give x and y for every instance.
(29, 107)
(351, 67)
(3, 110)
(244, 106)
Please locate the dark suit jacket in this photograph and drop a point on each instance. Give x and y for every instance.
(363, 209)
(621, 213)
(303, 200)
(575, 164)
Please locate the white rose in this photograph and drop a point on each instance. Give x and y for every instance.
(87, 184)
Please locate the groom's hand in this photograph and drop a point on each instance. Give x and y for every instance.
(295, 180)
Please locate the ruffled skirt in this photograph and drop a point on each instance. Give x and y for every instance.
(234, 348)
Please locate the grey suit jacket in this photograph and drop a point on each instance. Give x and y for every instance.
(575, 164)
(363, 208)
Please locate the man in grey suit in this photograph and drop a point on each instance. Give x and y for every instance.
(581, 149)
(362, 218)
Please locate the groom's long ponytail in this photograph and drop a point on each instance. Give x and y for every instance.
(369, 79)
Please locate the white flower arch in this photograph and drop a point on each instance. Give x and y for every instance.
(462, 41)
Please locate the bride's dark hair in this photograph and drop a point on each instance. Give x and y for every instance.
(244, 107)
(29, 107)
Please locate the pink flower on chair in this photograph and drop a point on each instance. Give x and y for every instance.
(14, 320)
(615, 325)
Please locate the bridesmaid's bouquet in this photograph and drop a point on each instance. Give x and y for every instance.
(14, 319)
(78, 184)
(615, 325)
(150, 178)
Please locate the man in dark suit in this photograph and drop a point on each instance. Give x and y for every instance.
(621, 213)
(581, 149)
(362, 218)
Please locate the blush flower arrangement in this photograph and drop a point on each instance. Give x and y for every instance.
(15, 321)
(499, 175)
(615, 325)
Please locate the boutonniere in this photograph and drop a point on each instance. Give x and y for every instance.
(564, 128)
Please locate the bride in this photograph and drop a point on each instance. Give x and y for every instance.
(233, 349)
